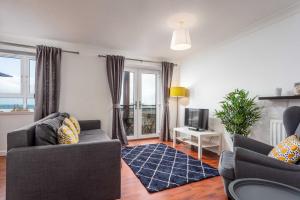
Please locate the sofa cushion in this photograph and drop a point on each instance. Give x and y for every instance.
(45, 136)
(70, 124)
(65, 135)
(95, 135)
(76, 123)
(287, 150)
(226, 165)
(46, 130)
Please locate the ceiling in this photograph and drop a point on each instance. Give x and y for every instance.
(141, 26)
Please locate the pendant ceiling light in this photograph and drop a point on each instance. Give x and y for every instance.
(181, 38)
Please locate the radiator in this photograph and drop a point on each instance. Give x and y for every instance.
(277, 131)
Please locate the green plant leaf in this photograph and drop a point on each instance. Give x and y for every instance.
(238, 112)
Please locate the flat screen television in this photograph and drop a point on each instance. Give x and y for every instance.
(196, 119)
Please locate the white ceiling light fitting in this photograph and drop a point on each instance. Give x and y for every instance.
(181, 39)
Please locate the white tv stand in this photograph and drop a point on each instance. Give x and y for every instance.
(205, 139)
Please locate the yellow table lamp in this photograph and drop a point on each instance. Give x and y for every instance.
(178, 92)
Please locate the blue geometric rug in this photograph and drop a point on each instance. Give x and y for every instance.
(161, 167)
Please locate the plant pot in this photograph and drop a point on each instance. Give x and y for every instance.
(228, 141)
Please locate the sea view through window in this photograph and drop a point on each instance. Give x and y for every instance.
(17, 76)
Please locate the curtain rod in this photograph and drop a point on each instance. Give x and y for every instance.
(17, 52)
(139, 60)
(32, 47)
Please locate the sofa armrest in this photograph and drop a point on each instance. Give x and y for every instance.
(250, 164)
(77, 171)
(89, 124)
(248, 143)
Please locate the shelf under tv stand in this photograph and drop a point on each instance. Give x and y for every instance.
(205, 139)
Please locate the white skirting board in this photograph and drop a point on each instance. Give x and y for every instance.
(3, 145)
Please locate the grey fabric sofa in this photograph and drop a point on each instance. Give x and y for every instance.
(89, 170)
(250, 157)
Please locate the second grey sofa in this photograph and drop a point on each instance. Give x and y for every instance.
(89, 170)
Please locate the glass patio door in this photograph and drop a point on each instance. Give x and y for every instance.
(140, 101)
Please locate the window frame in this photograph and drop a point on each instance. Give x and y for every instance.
(25, 77)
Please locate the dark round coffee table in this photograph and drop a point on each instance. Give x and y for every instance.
(251, 188)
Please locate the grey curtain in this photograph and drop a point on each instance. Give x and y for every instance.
(115, 70)
(166, 78)
(47, 81)
(126, 95)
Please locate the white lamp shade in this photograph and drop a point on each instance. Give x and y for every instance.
(181, 40)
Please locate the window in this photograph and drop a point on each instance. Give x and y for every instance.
(17, 76)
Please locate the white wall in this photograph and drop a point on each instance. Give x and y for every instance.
(259, 62)
(84, 88)
(9, 122)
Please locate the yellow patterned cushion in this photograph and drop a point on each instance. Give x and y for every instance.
(70, 124)
(66, 136)
(76, 123)
(287, 150)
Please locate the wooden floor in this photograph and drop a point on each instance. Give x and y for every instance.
(132, 189)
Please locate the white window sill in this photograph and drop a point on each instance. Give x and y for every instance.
(16, 113)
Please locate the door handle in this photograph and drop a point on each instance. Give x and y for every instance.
(140, 104)
(135, 105)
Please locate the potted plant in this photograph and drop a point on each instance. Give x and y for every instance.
(238, 113)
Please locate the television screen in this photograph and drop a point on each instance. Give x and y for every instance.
(196, 118)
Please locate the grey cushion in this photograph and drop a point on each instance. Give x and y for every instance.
(45, 136)
(95, 135)
(46, 131)
(226, 165)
